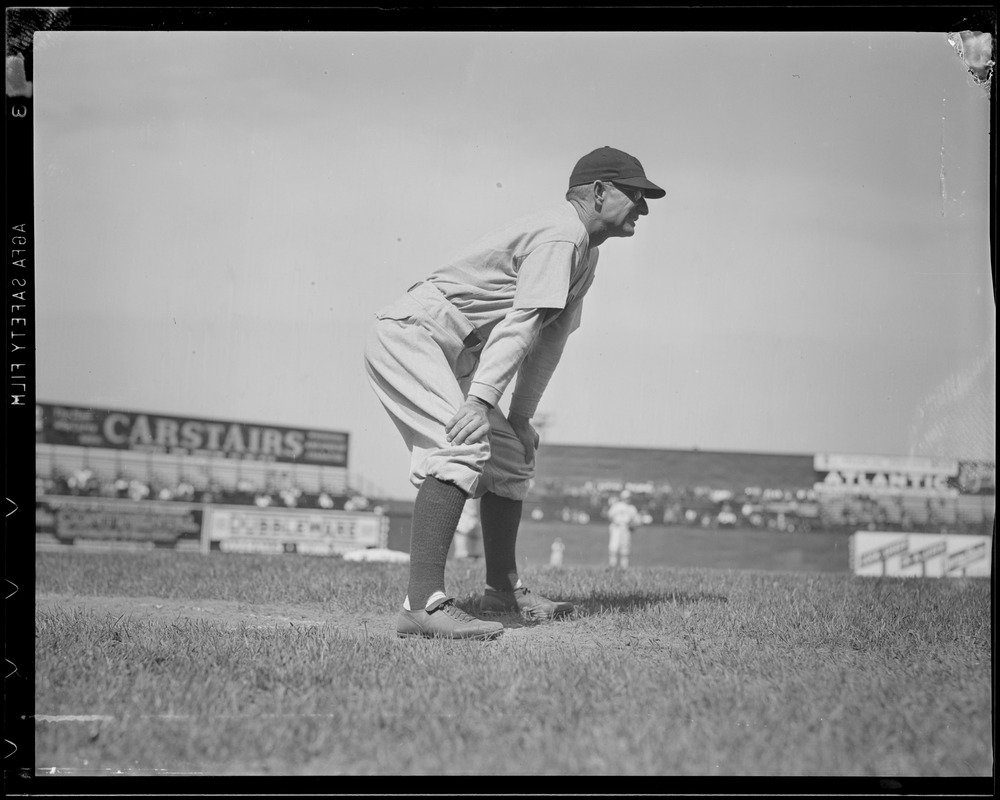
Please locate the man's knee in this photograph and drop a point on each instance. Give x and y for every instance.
(462, 466)
(506, 477)
(503, 486)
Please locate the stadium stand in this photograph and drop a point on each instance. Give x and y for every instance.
(722, 489)
(573, 484)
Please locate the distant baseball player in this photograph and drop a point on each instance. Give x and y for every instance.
(556, 552)
(469, 531)
(623, 518)
(441, 356)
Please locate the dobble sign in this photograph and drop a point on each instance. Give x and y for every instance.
(327, 533)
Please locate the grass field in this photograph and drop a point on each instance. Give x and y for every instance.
(170, 664)
(681, 546)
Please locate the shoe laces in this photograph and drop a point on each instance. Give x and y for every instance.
(453, 611)
(525, 596)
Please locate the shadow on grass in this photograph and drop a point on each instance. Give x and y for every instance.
(604, 601)
(638, 600)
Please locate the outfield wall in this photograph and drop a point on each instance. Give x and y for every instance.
(103, 523)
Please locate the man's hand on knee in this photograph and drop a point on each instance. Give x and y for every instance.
(470, 424)
(526, 433)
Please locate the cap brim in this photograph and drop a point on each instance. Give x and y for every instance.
(649, 189)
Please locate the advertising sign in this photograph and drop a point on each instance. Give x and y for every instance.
(977, 477)
(117, 524)
(874, 475)
(158, 433)
(235, 529)
(920, 555)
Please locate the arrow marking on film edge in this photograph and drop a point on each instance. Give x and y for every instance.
(13, 504)
(12, 751)
(15, 588)
(12, 671)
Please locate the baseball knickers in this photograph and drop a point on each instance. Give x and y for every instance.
(421, 356)
(620, 539)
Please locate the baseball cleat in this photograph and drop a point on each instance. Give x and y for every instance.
(531, 606)
(442, 619)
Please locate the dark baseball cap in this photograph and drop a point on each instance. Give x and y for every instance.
(609, 164)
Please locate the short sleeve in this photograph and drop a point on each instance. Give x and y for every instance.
(543, 278)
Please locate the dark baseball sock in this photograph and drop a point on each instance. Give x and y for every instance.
(436, 512)
(500, 518)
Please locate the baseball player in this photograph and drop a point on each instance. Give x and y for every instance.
(469, 532)
(556, 552)
(441, 356)
(623, 518)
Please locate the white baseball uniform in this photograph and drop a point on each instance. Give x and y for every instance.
(505, 306)
(623, 516)
(469, 532)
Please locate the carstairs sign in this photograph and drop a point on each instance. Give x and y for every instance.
(159, 433)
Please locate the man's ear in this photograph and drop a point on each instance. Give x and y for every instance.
(600, 189)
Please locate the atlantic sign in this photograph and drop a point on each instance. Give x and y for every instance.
(873, 475)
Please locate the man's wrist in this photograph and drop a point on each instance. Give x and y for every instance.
(485, 393)
(480, 400)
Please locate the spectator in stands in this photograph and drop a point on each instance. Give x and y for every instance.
(290, 496)
(81, 481)
(137, 490)
(287, 491)
(324, 500)
(726, 517)
(61, 480)
(262, 499)
(356, 502)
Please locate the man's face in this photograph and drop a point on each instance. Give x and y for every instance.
(623, 205)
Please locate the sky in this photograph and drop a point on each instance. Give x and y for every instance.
(220, 214)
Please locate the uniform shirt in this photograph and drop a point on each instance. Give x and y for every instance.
(623, 514)
(522, 287)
